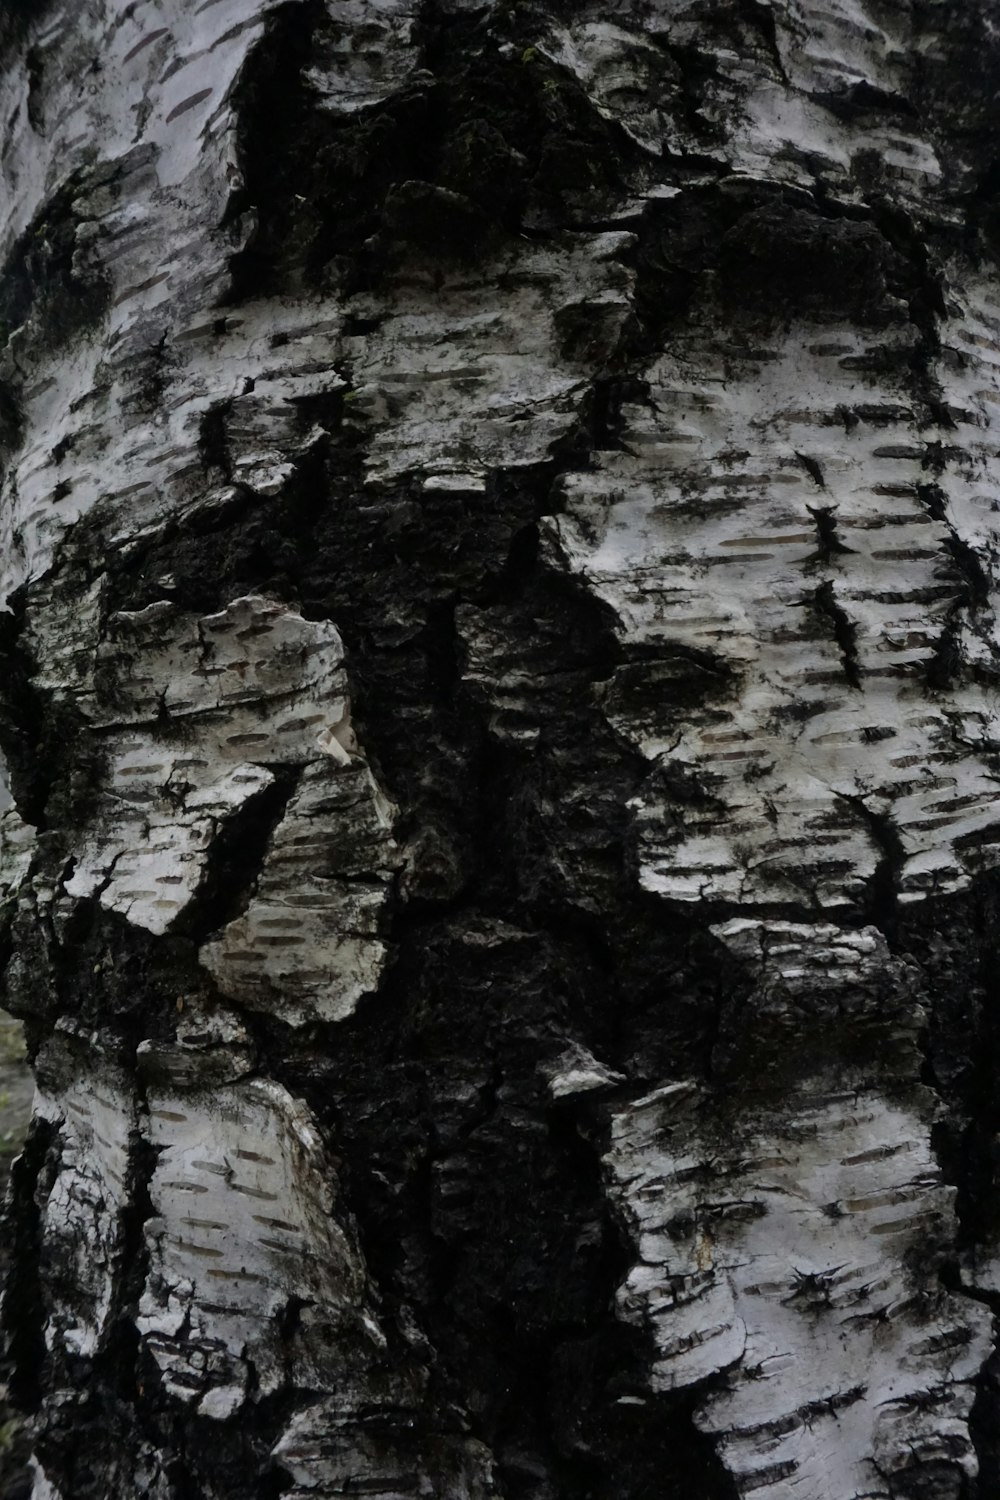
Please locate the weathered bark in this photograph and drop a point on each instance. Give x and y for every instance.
(499, 704)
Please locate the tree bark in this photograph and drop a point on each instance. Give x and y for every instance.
(501, 736)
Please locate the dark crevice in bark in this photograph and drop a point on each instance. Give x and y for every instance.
(213, 441)
(973, 586)
(969, 566)
(856, 100)
(235, 858)
(35, 69)
(112, 977)
(981, 209)
(759, 247)
(392, 1083)
(983, 1428)
(509, 1283)
(827, 608)
(555, 982)
(883, 887)
(53, 762)
(479, 146)
(695, 71)
(21, 713)
(46, 276)
(11, 423)
(18, 17)
(923, 282)
(520, 874)
(953, 946)
(604, 417)
(964, 1049)
(830, 542)
(814, 469)
(272, 106)
(24, 1313)
(760, 20)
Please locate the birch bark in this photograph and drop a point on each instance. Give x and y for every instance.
(500, 730)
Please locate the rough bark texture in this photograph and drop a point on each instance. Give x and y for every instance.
(499, 700)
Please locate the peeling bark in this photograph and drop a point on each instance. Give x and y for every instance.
(499, 720)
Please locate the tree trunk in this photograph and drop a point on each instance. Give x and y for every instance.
(500, 710)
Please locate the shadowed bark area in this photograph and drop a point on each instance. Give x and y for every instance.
(499, 706)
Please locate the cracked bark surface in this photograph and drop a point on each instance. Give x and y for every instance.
(501, 730)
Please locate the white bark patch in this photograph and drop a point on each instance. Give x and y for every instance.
(625, 74)
(705, 539)
(17, 841)
(147, 215)
(257, 661)
(41, 1488)
(778, 1257)
(331, 1449)
(88, 1099)
(367, 54)
(777, 109)
(244, 1203)
(460, 406)
(792, 1247)
(255, 683)
(578, 1071)
(148, 863)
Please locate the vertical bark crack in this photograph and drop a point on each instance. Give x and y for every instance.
(828, 609)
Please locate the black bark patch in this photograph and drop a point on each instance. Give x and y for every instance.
(814, 469)
(862, 98)
(213, 441)
(113, 977)
(24, 1313)
(830, 543)
(480, 142)
(972, 594)
(827, 608)
(884, 883)
(235, 858)
(18, 18)
(54, 763)
(43, 279)
(789, 262)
